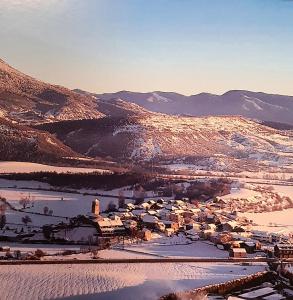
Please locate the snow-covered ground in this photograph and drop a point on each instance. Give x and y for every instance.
(179, 246)
(118, 281)
(27, 167)
(112, 281)
(284, 190)
(62, 204)
(275, 221)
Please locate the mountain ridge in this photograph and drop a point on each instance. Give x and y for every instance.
(52, 122)
(26, 99)
(256, 105)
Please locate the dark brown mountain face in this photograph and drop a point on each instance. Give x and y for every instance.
(21, 143)
(94, 138)
(25, 99)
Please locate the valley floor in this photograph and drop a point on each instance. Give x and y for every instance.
(121, 281)
(108, 281)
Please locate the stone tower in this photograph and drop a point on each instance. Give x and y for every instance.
(96, 207)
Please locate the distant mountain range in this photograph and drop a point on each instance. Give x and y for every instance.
(44, 122)
(260, 106)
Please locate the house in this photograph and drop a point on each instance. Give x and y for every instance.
(145, 206)
(169, 231)
(192, 235)
(145, 234)
(170, 224)
(180, 203)
(110, 227)
(175, 217)
(250, 247)
(130, 224)
(130, 206)
(210, 227)
(188, 214)
(224, 238)
(126, 215)
(160, 226)
(283, 250)
(153, 213)
(156, 206)
(138, 212)
(229, 226)
(261, 236)
(210, 218)
(151, 202)
(171, 207)
(207, 234)
(150, 221)
(237, 253)
(194, 226)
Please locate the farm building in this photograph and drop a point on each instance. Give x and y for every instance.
(238, 253)
(110, 227)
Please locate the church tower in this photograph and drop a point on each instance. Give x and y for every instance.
(96, 207)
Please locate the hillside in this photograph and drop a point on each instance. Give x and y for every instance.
(25, 99)
(218, 143)
(122, 128)
(21, 143)
(261, 106)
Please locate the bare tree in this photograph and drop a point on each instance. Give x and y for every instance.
(46, 210)
(24, 201)
(26, 220)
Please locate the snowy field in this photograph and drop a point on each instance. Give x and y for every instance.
(284, 190)
(117, 281)
(244, 175)
(27, 167)
(177, 247)
(108, 281)
(275, 221)
(250, 194)
(54, 252)
(62, 204)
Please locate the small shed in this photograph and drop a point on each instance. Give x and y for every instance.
(238, 253)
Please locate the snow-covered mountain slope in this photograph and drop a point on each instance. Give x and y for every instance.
(213, 142)
(266, 107)
(120, 108)
(25, 99)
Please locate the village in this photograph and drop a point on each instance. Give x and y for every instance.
(205, 219)
(216, 220)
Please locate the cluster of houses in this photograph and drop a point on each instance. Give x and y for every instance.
(207, 220)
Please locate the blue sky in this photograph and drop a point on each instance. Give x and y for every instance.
(187, 46)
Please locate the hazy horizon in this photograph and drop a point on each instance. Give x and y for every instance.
(186, 46)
